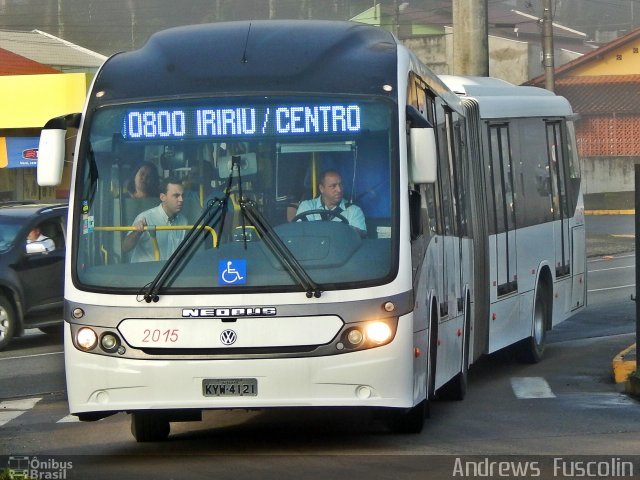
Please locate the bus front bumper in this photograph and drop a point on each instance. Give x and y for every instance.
(377, 377)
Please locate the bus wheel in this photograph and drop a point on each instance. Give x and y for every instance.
(149, 427)
(7, 321)
(409, 421)
(531, 349)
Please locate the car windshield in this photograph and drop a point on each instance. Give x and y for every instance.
(149, 171)
(9, 228)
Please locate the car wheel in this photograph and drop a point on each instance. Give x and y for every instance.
(7, 321)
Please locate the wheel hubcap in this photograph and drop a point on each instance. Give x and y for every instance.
(538, 324)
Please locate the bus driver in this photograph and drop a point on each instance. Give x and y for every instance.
(330, 199)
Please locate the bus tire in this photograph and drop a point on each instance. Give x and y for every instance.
(411, 420)
(7, 321)
(149, 427)
(531, 350)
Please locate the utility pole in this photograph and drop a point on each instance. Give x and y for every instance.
(60, 20)
(396, 19)
(272, 9)
(547, 46)
(132, 16)
(470, 38)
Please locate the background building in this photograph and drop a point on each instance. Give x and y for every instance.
(515, 38)
(41, 77)
(604, 89)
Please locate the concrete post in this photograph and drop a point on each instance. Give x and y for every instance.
(547, 46)
(637, 229)
(470, 38)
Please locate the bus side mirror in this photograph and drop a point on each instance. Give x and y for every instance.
(51, 150)
(51, 157)
(423, 155)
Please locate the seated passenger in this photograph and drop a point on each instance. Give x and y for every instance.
(145, 181)
(330, 199)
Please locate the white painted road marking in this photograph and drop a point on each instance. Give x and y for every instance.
(12, 409)
(531, 387)
(69, 419)
(31, 356)
(6, 417)
(610, 288)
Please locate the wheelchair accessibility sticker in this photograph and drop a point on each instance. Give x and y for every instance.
(232, 272)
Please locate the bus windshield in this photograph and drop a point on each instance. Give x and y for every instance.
(317, 171)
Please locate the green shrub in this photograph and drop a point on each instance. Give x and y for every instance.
(5, 475)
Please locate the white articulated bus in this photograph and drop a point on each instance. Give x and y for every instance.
(473, 236)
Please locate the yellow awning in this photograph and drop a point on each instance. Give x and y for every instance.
(29, 101)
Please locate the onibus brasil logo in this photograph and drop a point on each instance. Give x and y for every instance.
(34, 468)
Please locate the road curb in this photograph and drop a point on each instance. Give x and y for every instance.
(624, 364)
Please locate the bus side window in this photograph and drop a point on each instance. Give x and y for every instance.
(424, 101)
(444, 181)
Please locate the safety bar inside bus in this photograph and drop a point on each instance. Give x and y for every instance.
(152, 229)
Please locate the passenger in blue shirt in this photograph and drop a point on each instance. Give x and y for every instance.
(330, 198)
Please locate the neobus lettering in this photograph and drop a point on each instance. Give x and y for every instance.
(228, 312)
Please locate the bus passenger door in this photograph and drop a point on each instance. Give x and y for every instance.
(555, 149)
(504, 274)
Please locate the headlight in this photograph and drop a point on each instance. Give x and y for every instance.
(109, 342)
(355, 337)
(378, 332)
(86, 339)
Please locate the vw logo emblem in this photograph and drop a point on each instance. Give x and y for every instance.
(228, 337)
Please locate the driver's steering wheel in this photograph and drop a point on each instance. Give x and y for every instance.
(319, 211)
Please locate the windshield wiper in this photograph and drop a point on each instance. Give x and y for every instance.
(279, 249)
(150, 291)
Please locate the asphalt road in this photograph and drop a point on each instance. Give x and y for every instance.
(610, 234)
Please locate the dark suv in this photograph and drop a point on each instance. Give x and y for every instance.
(31, 280)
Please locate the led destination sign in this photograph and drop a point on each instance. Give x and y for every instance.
(207, 122)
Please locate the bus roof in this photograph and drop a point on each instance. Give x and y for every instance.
(285, 56)
(500, 99)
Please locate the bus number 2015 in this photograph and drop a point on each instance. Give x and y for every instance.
(160, 336)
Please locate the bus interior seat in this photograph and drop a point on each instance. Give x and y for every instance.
(132, 207)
